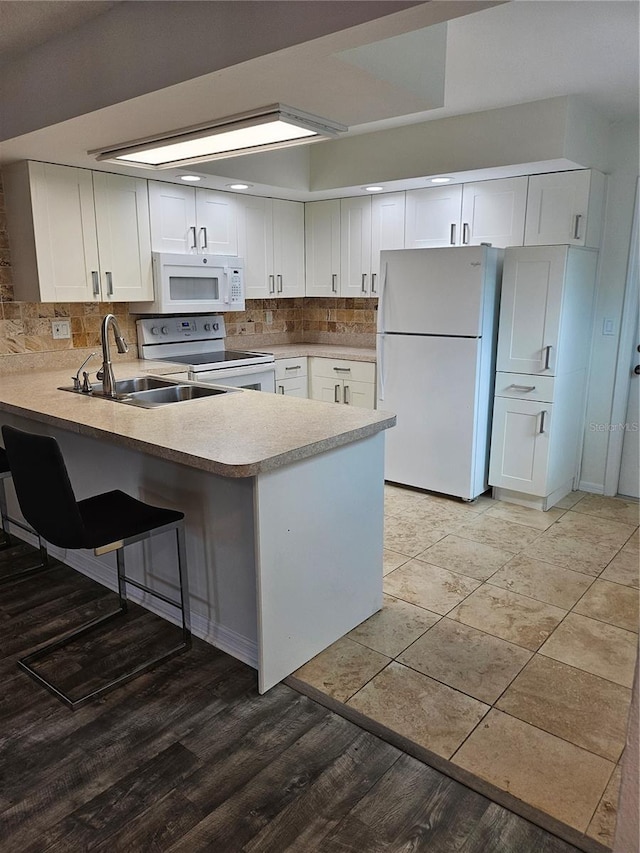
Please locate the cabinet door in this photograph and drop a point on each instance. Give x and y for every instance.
(520, 445)
(288, 247)
(295, 387)
(361, 394)
(530, 305)
(557, 208)
(355, 247)
(255, 245)
(172, 211)
(217, 222)
(433, 217)
(124, 238)
(65, 233)
(322, 247)
(326, 390)
(493, 212)
(387, 230)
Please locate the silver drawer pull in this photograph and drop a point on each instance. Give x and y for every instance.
(109, 278)
(205, 244)
(373, 282)
(280, 389)
(364, 282)
(295, 367)
(576, 230)
(547, 357)
(272, 284)
(525, 388)
(346, 396)
(342, 369)
(279, 280)
(336, 394)
(452, 238)
(334, 283)
(95, 278)
(194, 244)
(543, 415)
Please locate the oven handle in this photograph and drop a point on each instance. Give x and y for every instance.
(223, 372)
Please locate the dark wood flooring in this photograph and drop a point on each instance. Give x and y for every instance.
(190, 758)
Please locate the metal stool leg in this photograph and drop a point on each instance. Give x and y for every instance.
(184, 584)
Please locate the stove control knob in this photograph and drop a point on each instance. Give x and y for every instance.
(207, 327)
(216, 326)
(165, 330)
(155, 330)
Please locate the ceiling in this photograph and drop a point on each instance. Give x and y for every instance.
(387, 73)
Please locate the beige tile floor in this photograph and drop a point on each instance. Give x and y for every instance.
(506, 644)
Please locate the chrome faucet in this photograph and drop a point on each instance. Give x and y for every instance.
(106, 374)
(85, 386)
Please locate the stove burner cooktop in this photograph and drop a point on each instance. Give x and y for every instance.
(214, 358)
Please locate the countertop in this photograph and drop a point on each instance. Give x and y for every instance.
(239, 434)
(320, 351)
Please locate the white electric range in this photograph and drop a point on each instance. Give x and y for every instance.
(198, 344)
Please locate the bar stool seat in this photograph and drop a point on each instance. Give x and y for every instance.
(105, 522)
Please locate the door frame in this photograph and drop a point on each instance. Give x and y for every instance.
(625, 358)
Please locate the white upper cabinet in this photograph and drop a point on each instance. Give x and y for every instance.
(433, 217)
(387, 230)
(322, 247)
(77, 235)
(467, 214)
(494, 212)
(355, 246)
(191, 220)
(271, 241)
(565, 207)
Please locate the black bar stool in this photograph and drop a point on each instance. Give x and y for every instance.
(5, 473)
(106, 522)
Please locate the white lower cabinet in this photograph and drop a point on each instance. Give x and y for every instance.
(351, 383)
(291, 377)
(520, 445)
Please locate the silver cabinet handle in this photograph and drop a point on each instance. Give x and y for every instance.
(465, 233)
(279, 280)
(452, 238)
(272, 284)
(547, 357)
(294, 367)
(576, 229)
(364, 282)
(342, 369)
(95, 279)
(334, 283)
(345, 395)
(336, 394)
(525, 388)
(109, 278)
(543, 415)
(194, 245)
(205, 244)
(373, 282)
(280, 389)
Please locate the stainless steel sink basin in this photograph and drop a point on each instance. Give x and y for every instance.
(172, 394)
(141, 383)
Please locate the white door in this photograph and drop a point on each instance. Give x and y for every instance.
(255, 245)
(322, 247)
(532, 285)
(387, 230)
(493, 212)
(557, 208)
(520, 445)
(172, 210)
(288, 247)
(217, 222)
(124, 238)
(430, 384)
(432, 291)
(355, 247)
(433, 217)
(630, 463)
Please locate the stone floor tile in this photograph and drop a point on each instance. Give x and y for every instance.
(509, 616)
(541, 581)
(557, 777)
(392, 560)
(612, 603)
(468, 660)
(617, 509)
(466, 557)
(570, 500)
(603, 823)
(525, 515)
(431, 587)
(594, 646)
(429, 713)
(394, 628)
(498, 533)
(584, 709)
(342, 669)
(409, 537)
(624, 568)
(597, 531)
(555, 546)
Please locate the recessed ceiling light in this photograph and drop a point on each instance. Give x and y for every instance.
(373, 189)
(239, 186)
(440, 180)
(190, 178)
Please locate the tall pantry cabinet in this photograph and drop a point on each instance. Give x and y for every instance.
(542, 361)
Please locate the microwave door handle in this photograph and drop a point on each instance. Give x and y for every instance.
(227, 286)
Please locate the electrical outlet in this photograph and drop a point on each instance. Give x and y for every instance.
(268, 317)
(60, 329)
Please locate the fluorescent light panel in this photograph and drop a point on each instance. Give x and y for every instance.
(271, 127)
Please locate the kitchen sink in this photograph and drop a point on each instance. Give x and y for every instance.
(148, 392)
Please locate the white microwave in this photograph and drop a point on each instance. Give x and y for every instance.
(194, 284)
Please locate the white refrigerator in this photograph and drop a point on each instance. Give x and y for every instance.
(436, 341)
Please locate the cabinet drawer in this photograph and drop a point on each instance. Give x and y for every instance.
(296, 387)
(331, 368)
(523, 386)
(289, 368)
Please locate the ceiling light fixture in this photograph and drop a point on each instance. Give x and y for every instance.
(239, 186)
(190, 178)
(373, 189)
(442, 180)
(264, 129)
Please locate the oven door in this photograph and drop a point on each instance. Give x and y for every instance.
(260, 377)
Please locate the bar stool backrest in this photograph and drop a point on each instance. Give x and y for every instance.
(43, 488)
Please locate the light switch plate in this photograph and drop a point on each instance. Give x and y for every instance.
(60, 329)
(608, 327)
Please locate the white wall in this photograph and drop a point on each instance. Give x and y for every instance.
(614, 254)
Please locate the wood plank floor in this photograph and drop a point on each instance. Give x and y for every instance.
(190, 758)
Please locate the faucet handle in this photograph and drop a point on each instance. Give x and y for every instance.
(86, 385)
